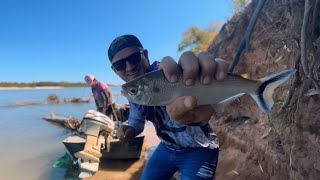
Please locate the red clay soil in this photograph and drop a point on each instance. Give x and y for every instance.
(275, 146)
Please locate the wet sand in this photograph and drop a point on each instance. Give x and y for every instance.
(129, 169)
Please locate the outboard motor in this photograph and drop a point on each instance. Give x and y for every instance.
(98, 129)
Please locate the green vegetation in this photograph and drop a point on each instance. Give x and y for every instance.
(196, 39)
(41, 84)
(239, 5)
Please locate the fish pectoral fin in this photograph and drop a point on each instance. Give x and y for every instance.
(231, 99)
(218, 109)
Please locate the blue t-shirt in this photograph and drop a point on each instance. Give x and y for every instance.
(172, 134)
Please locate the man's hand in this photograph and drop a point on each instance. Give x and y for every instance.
(109, 101)
(104, 110)
(203, 66)
(125, 132)
(108, 96)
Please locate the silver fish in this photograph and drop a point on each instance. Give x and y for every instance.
(153, 89)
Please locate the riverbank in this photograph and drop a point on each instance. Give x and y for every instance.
(44, 87)
(31, 88)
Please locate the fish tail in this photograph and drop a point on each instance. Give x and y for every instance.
(263, 94)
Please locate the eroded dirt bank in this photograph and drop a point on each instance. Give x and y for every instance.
(280, 145)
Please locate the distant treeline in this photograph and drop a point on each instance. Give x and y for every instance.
(41, 84)
(46, 83)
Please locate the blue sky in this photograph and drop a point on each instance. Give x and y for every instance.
(62, 40)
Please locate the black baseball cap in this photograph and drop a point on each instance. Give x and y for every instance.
(122, 42)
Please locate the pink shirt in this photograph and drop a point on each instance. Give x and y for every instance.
(100, 95)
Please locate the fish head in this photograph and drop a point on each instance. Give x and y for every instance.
(137, 92)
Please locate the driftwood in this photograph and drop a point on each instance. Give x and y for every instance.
(70, 123)
(25, 103)
(77, 100)
(53, 99)
(122, 113)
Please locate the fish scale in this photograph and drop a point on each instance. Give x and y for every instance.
(153, 89)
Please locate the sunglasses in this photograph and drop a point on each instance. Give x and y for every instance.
(133, 59)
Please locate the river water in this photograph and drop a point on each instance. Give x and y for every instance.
(31, 145)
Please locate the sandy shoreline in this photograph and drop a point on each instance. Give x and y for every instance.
(31, 88)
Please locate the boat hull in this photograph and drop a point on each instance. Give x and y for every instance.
(129, 149)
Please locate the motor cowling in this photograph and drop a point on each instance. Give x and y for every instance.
(98, 129)
(94, 122)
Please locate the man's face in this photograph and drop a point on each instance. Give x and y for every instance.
(94, 83)
(130, 63)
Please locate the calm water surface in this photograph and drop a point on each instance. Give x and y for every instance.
(31, 145)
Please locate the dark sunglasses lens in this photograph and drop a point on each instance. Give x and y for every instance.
(120, 65)
(135, 58)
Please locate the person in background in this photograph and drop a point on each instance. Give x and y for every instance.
(187, 142)
(102, 95)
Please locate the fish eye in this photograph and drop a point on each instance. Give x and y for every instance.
(133, 91)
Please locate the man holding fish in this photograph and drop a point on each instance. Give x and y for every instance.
(178, 98)
(187, 144)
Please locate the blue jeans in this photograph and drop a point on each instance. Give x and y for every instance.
(196, 163)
